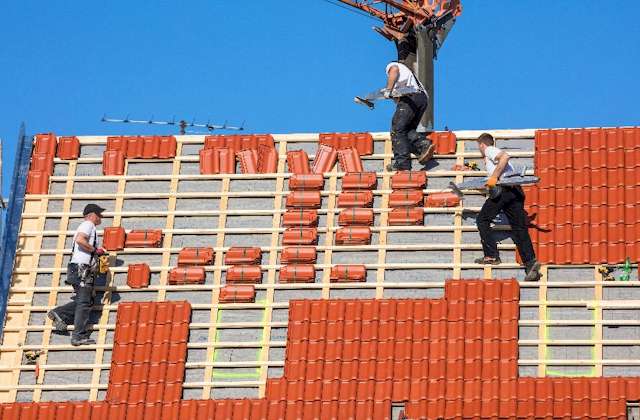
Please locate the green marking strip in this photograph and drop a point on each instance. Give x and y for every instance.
(550, 372)
(242, 375)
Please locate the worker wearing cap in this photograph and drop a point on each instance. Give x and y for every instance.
(409, 110)
(81, 274)
(509, 200)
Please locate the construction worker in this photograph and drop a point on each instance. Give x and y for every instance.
(508, 199)
(409, 110)
(81, 274)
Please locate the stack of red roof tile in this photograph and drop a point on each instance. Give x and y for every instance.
(586, 203)
(44, 151)
(356, 216)
(407, 197)
(243, 272)
(362, 142)
(447, 358)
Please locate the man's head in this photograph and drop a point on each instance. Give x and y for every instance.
(485, 140)
(93, 212)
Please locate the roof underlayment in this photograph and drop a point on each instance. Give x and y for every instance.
(570, 323)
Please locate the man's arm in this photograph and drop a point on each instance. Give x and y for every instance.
(503, 161)
(83, 241)
(392, 78)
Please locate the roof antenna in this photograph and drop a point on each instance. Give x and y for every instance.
(183, 124)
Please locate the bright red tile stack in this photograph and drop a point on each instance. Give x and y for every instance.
(191, 266)
(243, 273)
(362, 142)
(406, 198)
(447, 358)
(256, 153)
(356, 215)
(120, 148)
(44, 151)
(587, 201)
(300, 220)
(445, 142)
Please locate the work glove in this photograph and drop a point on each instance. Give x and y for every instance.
(100, 251)
(491, 182)
(386, 93)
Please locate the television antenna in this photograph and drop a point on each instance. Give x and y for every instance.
(182, 124)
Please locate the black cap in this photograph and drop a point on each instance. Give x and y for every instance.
(93, 208)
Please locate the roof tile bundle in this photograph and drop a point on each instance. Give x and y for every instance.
(349, 160)
(585, 203)
(445, 142)
(348, 273)
(409, 180)
(298, 162)
(359, 181)
(68, 148)
(113, 238)
(248, 161)
(455, 357)
(45, 144)
(237, 293)
(300, 217)
(144, 147)
(355, 217)
(324, 160)
(443, 199)
(243, 255)
(239, 142)
(302, 182)
(300, 236)
(362, 142)
(406, 198)
(297, 273)
(244, 274)
(304, 199)
(195, 256)
(138, 275)
(37, 182)
(186, 275)
(42, 162)
(355, 199)
(113, 162)
(406, 216)
(148, 238)
(220, 160)
(298, 254)
(353, 235)
(267, 159)
(41, 167)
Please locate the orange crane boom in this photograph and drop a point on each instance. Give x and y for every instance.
(399, 16)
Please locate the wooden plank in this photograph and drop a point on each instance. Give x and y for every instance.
(271, 275)
(457, 218)
(597, 317)
(384, 221)
(542, 316)
(331, 223)
(55, 281)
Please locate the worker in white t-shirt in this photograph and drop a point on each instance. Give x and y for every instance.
(510, 200)
(409, 110)
(81, 274)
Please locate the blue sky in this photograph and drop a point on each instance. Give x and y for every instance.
(295, 66)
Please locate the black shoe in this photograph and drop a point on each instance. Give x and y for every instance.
(427, 154)
(487, 261)
(533, 273)
(84, 341)
(389, 168)
(58, 324)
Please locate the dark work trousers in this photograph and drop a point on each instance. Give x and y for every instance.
(78, 310)
(511, 201)
(404, 138)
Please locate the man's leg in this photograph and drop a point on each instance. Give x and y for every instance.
(84, 301)
(63, 315)
(400, 127)
(421, 146)
(520, 233)
(488, 212)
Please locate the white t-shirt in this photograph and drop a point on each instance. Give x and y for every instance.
(406, 77)
(490, 160)
(80, 256)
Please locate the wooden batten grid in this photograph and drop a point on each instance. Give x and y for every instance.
(28, 267)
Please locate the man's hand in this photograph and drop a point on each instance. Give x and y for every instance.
(386, 93)
(491, 182)
(100, 251)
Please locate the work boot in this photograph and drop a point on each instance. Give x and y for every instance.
(533, 272)
(58, 324)
(82, 341)
(427, 153)
(487, 260)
